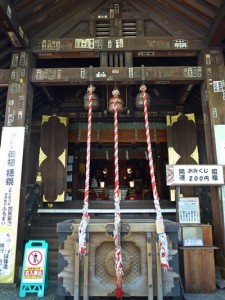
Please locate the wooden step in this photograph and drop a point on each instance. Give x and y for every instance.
(44, 228)
(37, 231)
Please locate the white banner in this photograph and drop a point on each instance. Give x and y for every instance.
(11, 156)
(177, 175)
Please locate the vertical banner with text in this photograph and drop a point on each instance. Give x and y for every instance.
(11, 157)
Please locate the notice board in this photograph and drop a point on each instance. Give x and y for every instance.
(34, 271)
(189, 210)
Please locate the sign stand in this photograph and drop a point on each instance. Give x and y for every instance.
(34, 277)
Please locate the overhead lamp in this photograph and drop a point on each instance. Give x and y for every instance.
(102, 184)
(129, 171)
(131, 183)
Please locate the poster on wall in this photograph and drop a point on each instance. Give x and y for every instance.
(189, 210)
(11, 156)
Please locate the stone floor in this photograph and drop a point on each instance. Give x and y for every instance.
(11, 292)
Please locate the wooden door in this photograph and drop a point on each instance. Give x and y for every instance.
(182, 145)
(53, 157)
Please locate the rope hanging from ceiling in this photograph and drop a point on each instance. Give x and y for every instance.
(117, 219)
(82, 230)
(162, 239)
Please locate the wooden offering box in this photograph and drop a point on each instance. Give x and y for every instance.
(196, 235)
(197, 258)
(94, 274)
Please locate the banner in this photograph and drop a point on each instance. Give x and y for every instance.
(11, 156)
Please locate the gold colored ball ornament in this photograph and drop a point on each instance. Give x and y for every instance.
(95, 102)
(139, 100)
(115, 92)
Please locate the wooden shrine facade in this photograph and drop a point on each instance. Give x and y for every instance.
(210, 69)
(115, 59)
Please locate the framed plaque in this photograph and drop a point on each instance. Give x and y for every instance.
(189, 210)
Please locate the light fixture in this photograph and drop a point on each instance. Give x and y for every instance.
(129, 171)
(102, 184)
(131, 183)
(104, 171)
(115, 92)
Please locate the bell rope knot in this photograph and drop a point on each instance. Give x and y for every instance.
(143, 88)
(91, 88)
(116, 92)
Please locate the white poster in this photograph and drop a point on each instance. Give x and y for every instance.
(189, 211)
(11, 155)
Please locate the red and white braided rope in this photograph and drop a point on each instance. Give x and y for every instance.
(117, 220)
(82, 230)
(162, 240)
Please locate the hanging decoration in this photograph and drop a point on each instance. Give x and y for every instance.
(162, 239)
(107, 155)
(117, 220)
(127, 155)
(82, 230)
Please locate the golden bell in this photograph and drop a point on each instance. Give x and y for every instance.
(139, 100)
(119, 105)
(95, 102)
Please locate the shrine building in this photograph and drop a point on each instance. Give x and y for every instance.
(112, 132)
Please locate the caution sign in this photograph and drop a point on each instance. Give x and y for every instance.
(34, 271)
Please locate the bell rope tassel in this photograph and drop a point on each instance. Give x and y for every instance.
(160, 230)
(117, 220)
(82, 230)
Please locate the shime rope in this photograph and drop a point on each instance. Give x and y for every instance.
(82, 230)
(117, 220)
(162, 239)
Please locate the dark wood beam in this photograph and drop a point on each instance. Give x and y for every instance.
(123, 75)
(11, 26)
(203, 7)
(4, 77)
(216, 33)
(50, 48)
(180, 24)
(190, 14)
(108, 76)
(72, 18)
(184, 96)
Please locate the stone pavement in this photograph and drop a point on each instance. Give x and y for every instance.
(11, 292)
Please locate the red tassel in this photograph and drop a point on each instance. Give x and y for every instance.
(83, 250)
(119, 292)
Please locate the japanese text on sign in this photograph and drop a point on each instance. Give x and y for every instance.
(194, 175)
(10, 178)
(189, 211)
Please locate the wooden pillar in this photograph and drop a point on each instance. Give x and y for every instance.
(14, 162)
(213, 96)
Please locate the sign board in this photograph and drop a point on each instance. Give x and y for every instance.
(34, 271)
(189, 210)
(11, 157)
(177, 175)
